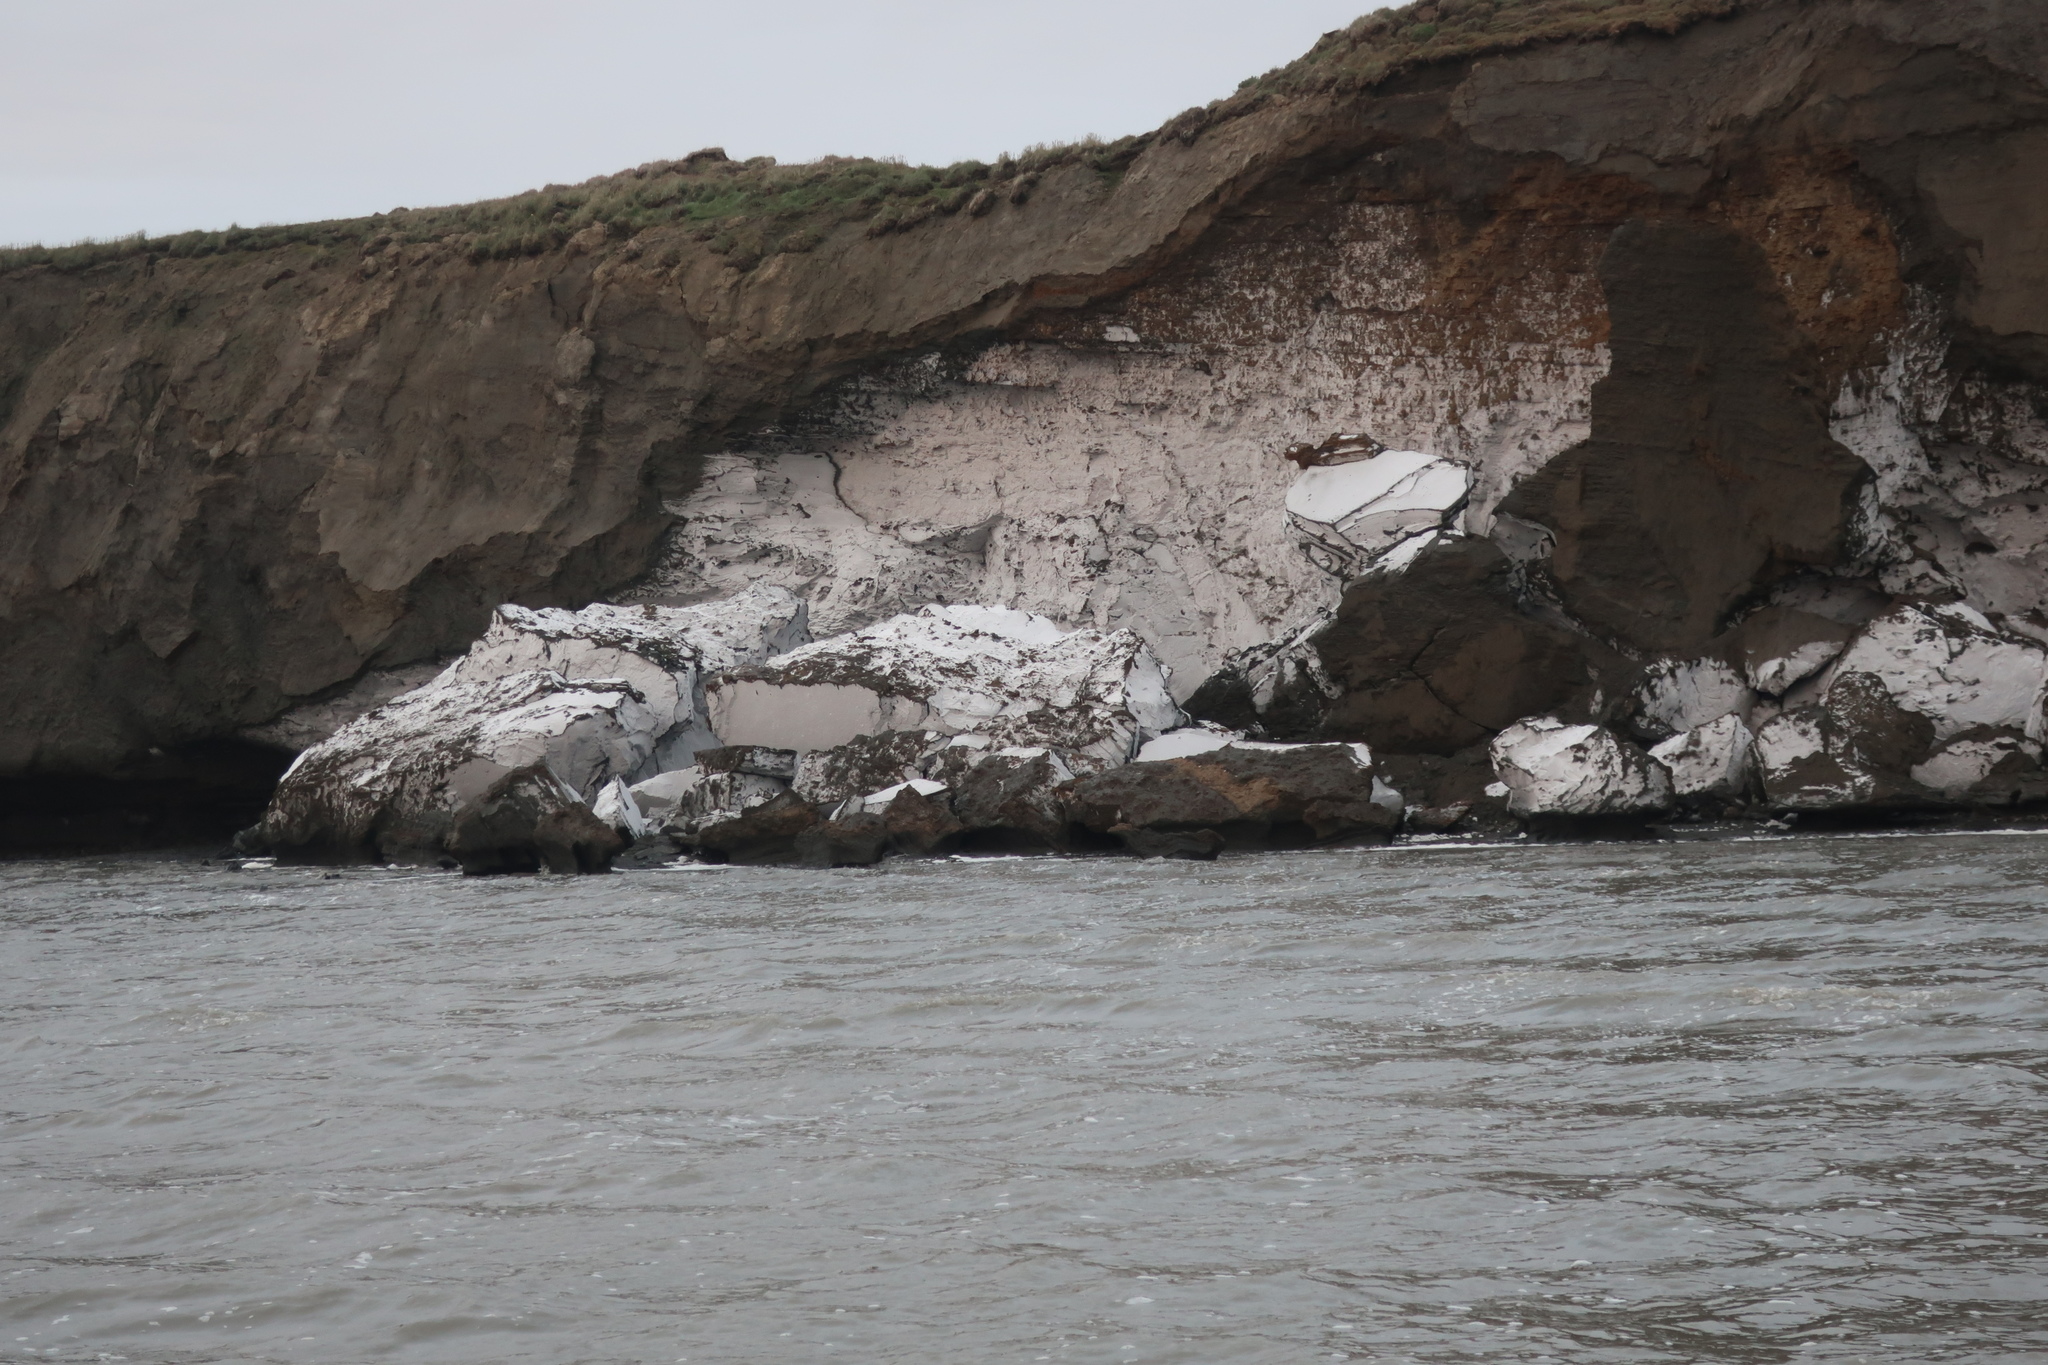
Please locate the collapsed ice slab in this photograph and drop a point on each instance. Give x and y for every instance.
(1985, 767)
(1016, 678)
(664, 653)
(1373, 505)
(388, 786)
(538, 687)
(1577, 771)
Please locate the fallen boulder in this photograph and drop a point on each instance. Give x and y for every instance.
(1677, 695)
(1016, 678)
(1007, 800)
(776, 830)
(1577, 772)
(1781, 647)
(1985, 766)
(1240, 796)
(865, 763)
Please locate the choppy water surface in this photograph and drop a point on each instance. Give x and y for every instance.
(1735, 1102)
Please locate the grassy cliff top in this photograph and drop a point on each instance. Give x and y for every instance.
(746, 210)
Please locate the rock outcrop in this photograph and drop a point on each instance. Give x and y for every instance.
(1391, 405)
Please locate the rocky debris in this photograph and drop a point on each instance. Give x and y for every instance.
(1360, 509)
(719, 798)
(1448, 792)
(1857, 748)
(1712, 762)
(1443, 656)
(388, 787)
(1578, 772)
(1951, 665)
(1680, 695)
(1242, 795)
(1278, 689)
(527, 820)
(664, 653)
(911, 820)
(1017, 678)
(533, 689)
(1926, 706)
(1343, 448)
(1781, 647)
(866, 763)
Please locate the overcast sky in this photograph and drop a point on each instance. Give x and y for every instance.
(143, 115)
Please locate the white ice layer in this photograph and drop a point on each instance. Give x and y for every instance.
(1013, 676)
(874, 803)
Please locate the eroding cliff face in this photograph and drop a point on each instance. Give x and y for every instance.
(1728, 329)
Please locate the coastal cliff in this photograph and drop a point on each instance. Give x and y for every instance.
(1733, 320)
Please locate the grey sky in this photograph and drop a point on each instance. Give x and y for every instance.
(127, 115)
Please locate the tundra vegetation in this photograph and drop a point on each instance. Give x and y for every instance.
(748, 210)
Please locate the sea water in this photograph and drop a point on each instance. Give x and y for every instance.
(1767, 1101)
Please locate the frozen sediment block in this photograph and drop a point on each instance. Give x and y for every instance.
(1014, 677)
(1684, 694)
(388, 786)
(594, 695)
(1715, 760)
(1551, 768)
(1237, 794)
(1950, 664)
